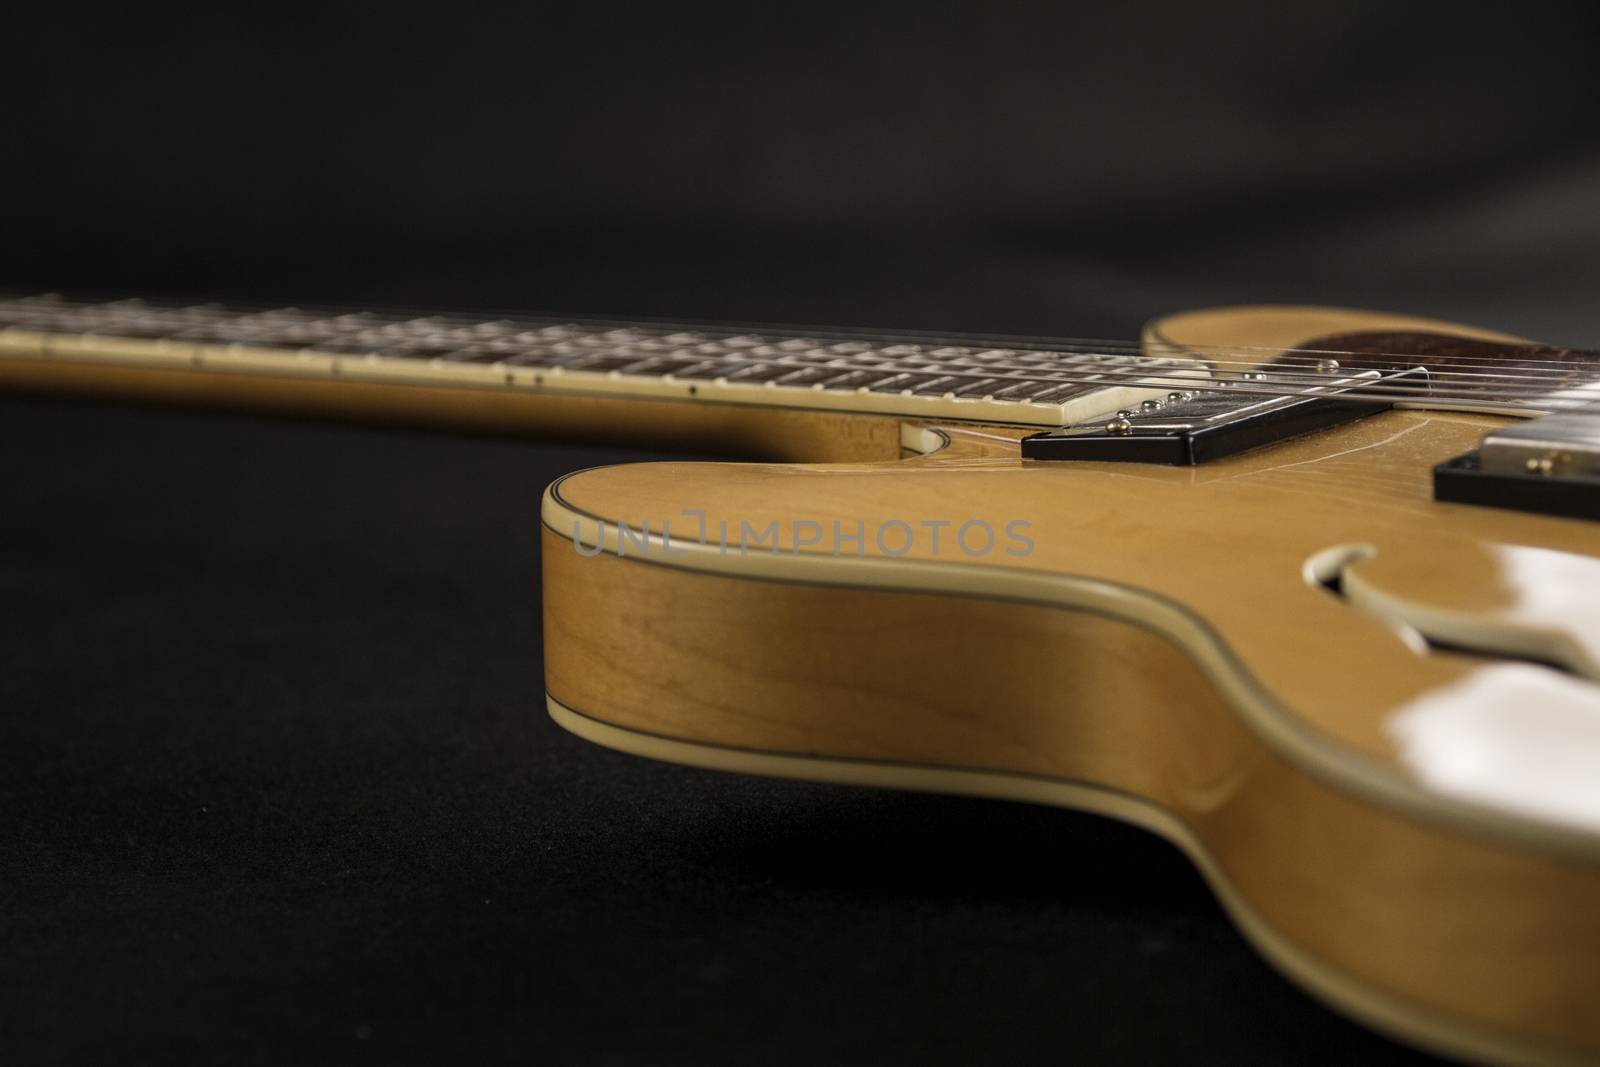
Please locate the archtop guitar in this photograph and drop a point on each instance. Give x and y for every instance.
(1312, 593)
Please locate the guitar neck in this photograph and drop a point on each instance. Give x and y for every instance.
(439, 368)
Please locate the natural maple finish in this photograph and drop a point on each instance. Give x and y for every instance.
(1172, 649)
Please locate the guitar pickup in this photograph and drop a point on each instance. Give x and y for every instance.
(1230, 416)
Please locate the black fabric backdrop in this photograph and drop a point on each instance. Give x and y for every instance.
(275, 780)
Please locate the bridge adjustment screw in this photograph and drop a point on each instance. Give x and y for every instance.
(1150, 405)
(1119, 426)
(1327, 366)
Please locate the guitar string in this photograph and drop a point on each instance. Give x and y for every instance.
(1282, 372)
(1364, 360)
(222, 314)
(999, 370)
(1142, 377)
(1145, 379)
(1278, 373)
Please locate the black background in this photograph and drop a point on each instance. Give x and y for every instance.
(275, 781)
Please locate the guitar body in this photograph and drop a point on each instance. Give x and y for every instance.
(1292, 662)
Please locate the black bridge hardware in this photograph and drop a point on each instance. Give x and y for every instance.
(1550, 466)
(1195, 426)
(1464, 481)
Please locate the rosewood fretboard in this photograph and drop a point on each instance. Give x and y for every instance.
(949, 380)
(965, 379)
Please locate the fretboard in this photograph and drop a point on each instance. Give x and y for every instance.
(965, 380)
